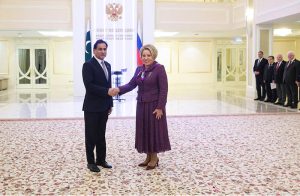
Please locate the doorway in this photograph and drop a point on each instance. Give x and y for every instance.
(32, 66)
(231, 64)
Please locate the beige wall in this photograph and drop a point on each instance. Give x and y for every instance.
(4, 56)
(283, 45)
(191, 16)
(57, 15)
(188, 62)
(264, 41)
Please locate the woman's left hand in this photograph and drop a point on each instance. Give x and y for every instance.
(158, 113)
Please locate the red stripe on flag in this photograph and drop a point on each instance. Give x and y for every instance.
(138, 58)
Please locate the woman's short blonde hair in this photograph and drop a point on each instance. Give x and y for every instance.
(152, 50)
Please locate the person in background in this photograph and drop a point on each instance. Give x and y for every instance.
(278, 79)
(290, 79)
(298, 82)
(268, 78)
(258, 69)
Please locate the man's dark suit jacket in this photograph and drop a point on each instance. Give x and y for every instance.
(96, 98)
(291, 72)
(278, 73)
(260, 67)
(297, 64)
(269, 73)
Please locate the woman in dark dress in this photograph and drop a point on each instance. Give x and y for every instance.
(151, 122)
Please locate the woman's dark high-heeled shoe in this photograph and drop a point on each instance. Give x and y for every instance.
(144, 164)
(149, 167)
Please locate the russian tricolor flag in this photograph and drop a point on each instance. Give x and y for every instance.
(139, 46)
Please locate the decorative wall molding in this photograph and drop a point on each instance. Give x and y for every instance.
(62, 57)
(238, 15)
(195, 57)
(30, 14)
(4, 57)
(193, 16)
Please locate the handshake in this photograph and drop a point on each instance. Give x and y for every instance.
(113, 91)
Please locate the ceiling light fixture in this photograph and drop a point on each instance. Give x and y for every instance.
(249, 13)
(237, 40)
(164, 34)
(282, 32)
(56, 33)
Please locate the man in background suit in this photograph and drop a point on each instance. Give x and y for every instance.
(278, 79)
(268, 78)
(290, 79)
(298, 80)
(97, 105)
(258, 69)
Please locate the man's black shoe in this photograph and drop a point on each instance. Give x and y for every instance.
(257, 99)
(104, 164)
(93, 168)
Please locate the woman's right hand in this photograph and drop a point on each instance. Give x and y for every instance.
(116, 90)
(158, 113)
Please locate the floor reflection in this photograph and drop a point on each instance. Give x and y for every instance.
(33, 105)
(44, 103)
(32, 97)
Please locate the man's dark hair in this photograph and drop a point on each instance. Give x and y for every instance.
(100, 41)
(272, 57)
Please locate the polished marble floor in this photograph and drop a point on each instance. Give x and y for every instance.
(60, 103)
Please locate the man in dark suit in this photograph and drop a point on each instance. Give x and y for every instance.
(290, 80)
(258, 69)
(268, 78)
(278, 79)
(298, 80)
(97, 105)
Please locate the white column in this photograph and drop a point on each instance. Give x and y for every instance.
(148, 21)
(78, 17)
(251, 36)
(271, 41)
(255, 47)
